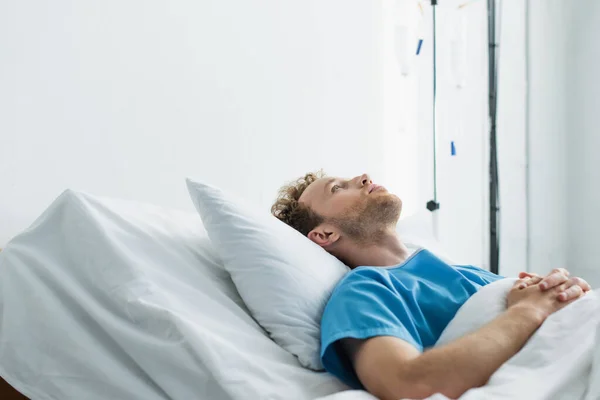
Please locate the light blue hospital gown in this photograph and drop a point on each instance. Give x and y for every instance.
(413, 301)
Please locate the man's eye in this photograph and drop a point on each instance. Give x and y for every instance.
(335, 188)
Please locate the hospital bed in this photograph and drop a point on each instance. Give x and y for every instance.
(107, 299)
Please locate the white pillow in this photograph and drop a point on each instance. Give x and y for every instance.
(283, 277)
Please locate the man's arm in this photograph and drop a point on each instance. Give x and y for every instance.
(390, 368)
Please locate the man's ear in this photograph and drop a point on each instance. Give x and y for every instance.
(324, 235)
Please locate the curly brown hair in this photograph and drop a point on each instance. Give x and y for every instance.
(288, 209)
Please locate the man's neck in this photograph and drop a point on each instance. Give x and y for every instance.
(386, 251)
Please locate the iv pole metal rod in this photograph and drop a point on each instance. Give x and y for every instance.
(433, 205)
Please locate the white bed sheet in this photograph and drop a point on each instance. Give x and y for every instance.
(111, 299)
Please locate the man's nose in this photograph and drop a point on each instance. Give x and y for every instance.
(365, 179)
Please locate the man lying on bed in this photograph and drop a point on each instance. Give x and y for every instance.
(383, 318)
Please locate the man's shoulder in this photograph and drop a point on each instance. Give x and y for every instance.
(359, 283)
(360, 275)
(369, 275)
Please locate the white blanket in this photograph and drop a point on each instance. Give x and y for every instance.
(106, 299)
(560, 361)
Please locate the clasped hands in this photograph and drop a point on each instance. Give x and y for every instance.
(567, 288)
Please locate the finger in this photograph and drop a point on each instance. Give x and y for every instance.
(526, 282)
(523, 283)
(553, 280)
(524, 275)
(582, 283)
(561, 271)
(534, 280)
(520, 284)
(528, 279)
(579, 282)
(571, 293)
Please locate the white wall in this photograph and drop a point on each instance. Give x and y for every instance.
(534, 136)
(547, 203)
(512, 137)
(563, 173)
(127, 98)
(401, 76)
(583, 141)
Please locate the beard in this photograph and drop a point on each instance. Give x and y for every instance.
(367, 222)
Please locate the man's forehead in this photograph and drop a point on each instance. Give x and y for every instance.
(316, 190)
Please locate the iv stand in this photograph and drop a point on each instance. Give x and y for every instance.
(433, 205)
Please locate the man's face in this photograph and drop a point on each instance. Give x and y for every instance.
(357, 207)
